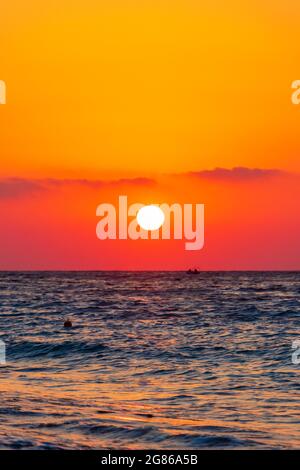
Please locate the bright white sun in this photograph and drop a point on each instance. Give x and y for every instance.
(150, 217)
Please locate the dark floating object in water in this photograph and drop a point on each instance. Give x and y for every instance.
(68, 324)
(193, 271)
(145, 415)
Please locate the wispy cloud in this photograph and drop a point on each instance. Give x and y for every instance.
(236, 174)
(11, 188)
(18, 187)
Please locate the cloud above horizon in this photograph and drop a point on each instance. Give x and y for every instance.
(238, 174)
(11, 188)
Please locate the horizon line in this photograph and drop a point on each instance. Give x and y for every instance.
(145, 270)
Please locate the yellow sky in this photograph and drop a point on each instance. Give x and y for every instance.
(137, 87)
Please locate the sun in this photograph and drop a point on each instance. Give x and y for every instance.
(150, 217)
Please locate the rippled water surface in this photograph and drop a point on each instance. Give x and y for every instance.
(154, 360)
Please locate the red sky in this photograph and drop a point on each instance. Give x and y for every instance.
(251, 222)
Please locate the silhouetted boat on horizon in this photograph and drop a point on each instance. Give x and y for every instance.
(193, 271)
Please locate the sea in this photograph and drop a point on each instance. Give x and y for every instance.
(154, 360)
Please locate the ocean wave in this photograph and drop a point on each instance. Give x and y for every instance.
(37, 349)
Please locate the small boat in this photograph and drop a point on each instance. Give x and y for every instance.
(193, 271)
(68, 324)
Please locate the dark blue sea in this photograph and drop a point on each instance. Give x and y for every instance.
(154, 360)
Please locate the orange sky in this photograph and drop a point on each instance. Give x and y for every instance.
(105, 90)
